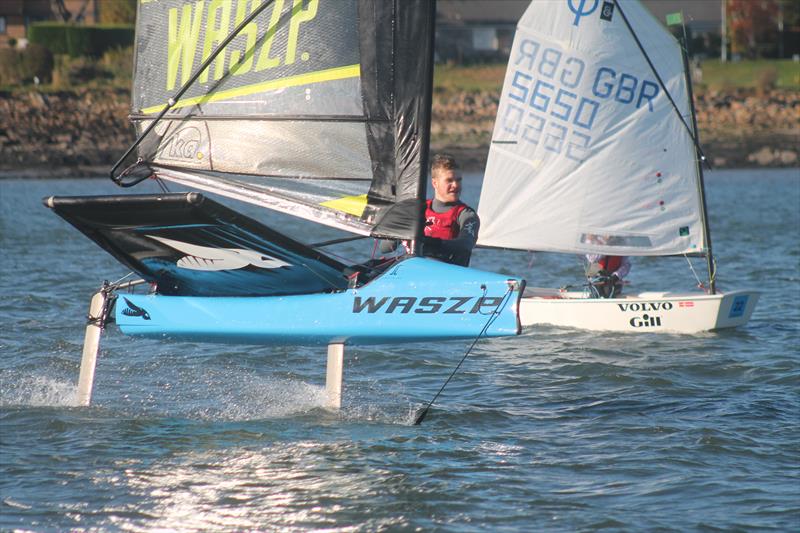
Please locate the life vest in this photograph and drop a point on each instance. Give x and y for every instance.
(442, 225)
(610, 263)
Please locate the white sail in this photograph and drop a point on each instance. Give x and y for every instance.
(588, 154)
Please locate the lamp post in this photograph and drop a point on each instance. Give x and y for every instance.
(724, 33)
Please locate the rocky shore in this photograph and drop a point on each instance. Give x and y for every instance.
(738, 129)
(63, 133)
(85, 132)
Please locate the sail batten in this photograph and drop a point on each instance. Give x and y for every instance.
(588, 154)
(337, 73)
(271, 199)
(308, 90)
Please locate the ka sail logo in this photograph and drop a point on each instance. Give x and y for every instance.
(582, 8)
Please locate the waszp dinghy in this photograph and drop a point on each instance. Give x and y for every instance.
(595, 151)
(315, 109)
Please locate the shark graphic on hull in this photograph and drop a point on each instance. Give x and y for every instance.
(209, 259)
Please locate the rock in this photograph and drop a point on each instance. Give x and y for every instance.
(37, 100)
(788, 157)
(736, 128)
(763, 157)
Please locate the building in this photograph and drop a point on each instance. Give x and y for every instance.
(472, 31)
(483, 30)
(17, 15)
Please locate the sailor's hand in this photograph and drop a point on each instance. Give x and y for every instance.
(387, 245)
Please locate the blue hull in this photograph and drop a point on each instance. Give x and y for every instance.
(416, 299)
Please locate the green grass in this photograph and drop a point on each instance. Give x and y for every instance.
(749, 74)
(716, 75)
(451, 78)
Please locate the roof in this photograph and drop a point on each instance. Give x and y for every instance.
(696, 12)
(482, 11)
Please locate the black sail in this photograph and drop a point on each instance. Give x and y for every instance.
(317, 108)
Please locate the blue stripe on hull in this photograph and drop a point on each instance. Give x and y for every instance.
(416, 299)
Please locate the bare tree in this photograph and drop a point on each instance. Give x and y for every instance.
(58, 7)
(82, 13)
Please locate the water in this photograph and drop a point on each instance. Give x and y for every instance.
(556, 430)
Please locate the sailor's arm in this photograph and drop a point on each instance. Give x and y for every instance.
(624, 268)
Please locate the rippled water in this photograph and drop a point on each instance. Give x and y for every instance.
(556, 430)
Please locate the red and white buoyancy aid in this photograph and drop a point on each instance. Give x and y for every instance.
(442, 225)
(610, 263)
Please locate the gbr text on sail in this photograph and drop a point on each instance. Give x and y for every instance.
(555, 98)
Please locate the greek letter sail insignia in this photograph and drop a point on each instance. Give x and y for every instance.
(581, 9)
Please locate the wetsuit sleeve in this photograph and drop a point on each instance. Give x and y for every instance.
(624, 268)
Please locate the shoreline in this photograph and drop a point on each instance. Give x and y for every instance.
(83, 133)
(471, 162)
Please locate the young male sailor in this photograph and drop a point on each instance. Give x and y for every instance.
(451, 226)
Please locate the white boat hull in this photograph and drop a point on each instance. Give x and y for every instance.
(644, 312)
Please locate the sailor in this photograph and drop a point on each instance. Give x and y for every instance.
(451, 226)
(609, 272)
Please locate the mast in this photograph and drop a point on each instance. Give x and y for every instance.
(425, 133)
(699, 158)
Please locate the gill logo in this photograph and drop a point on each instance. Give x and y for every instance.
(185, 22)
(645, 321)
(580, 10)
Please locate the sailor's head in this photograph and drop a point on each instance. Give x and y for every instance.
(446, 178)
(592, 238)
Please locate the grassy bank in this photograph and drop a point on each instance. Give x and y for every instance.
(713, 75)
(720, 76)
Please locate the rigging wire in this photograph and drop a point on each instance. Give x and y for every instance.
(174, 99)
(161, 184)
(694, 273)
(692, 134)
(336, 241)
(711, 280)
(496, 313)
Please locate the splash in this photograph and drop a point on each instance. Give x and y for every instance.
(38, 391)
(248, 396)
(264, 397)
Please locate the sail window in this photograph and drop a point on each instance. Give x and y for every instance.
(623, 241)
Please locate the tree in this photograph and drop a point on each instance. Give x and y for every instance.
(789, 28)
(753, 27)
(58, 7)
(117, 11)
